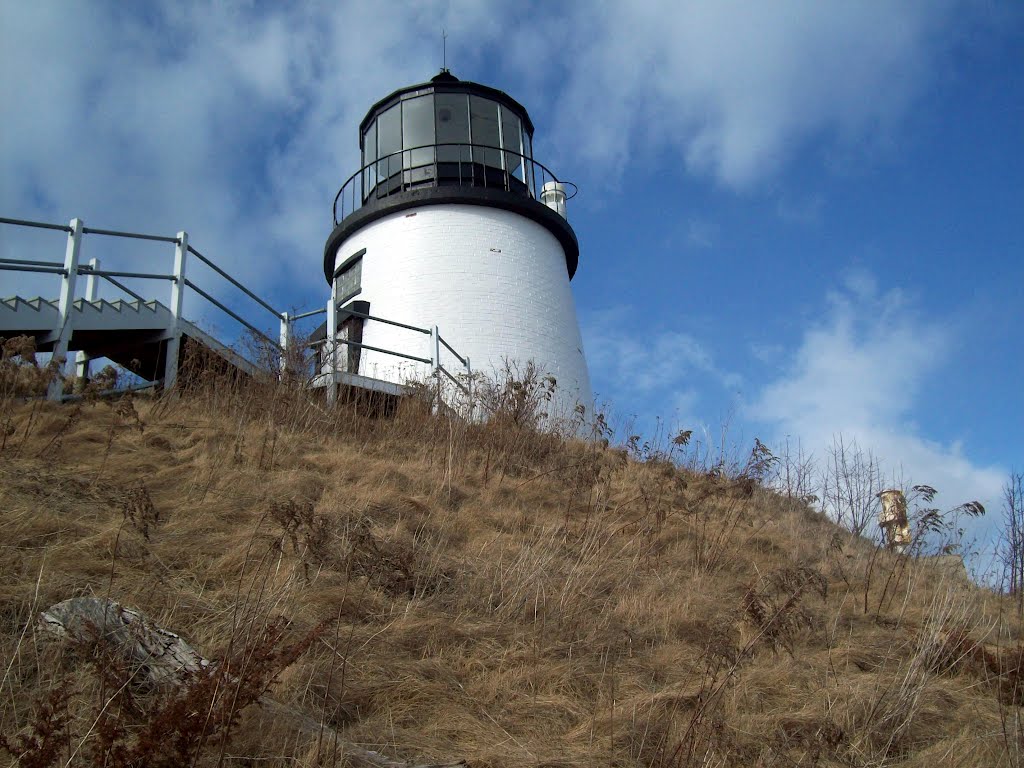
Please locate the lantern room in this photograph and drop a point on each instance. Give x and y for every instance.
(446, 132)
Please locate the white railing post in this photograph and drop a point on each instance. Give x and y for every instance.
(435, 349)
(469, 387)
(435, 361)
(91, 279)
(332, 343)
(65, 308)
(177, 299)
(284, 340)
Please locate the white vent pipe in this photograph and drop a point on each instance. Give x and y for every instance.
(552, 194)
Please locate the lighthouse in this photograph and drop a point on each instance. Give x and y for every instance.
(451, 227)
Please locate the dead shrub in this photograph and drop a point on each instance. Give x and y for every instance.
(21, 375)
(138, 510)
(775, 606)
(313, 537)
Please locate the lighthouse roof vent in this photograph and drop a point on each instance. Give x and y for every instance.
(444, 76)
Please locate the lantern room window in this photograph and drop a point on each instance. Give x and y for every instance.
(389, 142)
(452, 111)
(418, 131)
(483, 127)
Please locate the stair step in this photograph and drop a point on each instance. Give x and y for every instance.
(81, 305)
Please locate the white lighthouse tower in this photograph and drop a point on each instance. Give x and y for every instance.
(452, 225)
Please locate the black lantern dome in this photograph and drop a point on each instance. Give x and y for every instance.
(446, 132)
(443, 141)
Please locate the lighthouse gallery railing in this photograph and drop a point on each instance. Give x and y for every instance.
(394, 173)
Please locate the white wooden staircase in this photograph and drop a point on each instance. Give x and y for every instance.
(141, 334)
(133, 334)
(147, 337)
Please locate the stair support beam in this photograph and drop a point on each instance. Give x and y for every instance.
(332, 342)
(285, 341)
(65, 309)
(177, 300)
(83, 358)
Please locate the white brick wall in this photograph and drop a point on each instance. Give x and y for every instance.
(493, 281)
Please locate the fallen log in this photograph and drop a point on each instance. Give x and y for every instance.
(162, 657)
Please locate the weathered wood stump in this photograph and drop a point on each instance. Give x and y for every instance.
(164, 658)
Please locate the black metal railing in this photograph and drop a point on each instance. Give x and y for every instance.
(438, 165)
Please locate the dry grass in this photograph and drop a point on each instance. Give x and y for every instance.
(475, 591)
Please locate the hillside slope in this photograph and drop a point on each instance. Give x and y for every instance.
(434, 590)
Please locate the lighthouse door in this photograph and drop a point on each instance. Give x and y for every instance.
(351, 330)
(347, 284)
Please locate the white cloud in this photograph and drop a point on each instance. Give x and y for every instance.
(646, 361)
(149, 124)
(735, 88)
(237, 122)
(800, 209)
(232, 121)
(700, 233)
(858, 372)
(652, 373)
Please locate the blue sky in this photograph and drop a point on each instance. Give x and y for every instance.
(796, 218)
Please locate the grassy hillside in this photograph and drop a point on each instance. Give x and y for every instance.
(435, 590)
